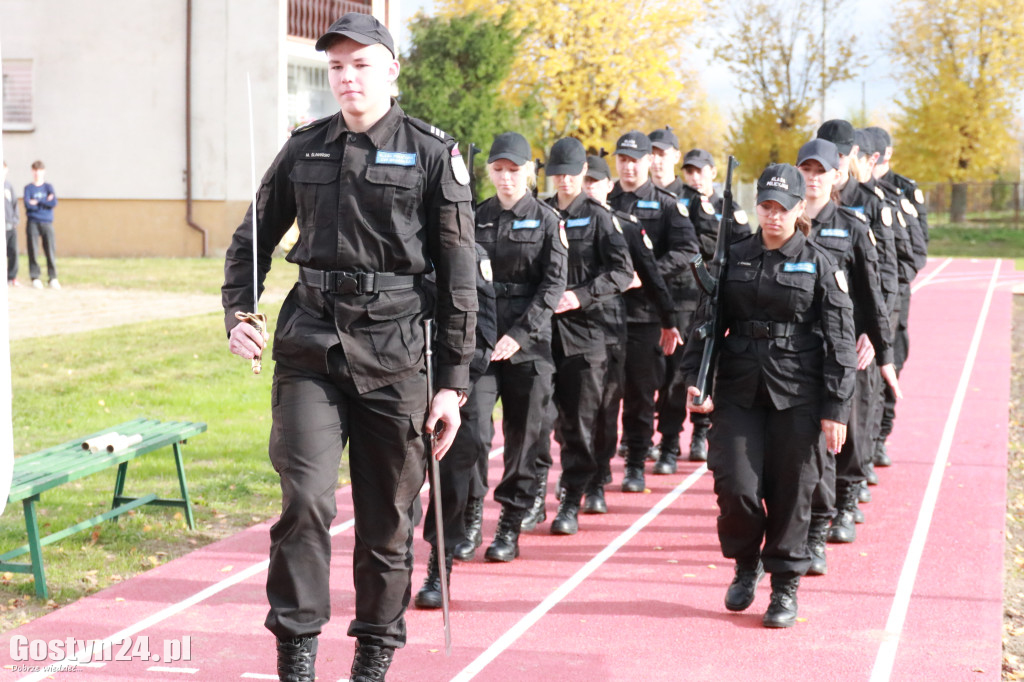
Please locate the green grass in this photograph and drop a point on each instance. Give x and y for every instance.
(976, 242)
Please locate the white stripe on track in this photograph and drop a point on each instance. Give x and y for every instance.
(931, 275)
(886, 657)
(198, 597)
(563, 590)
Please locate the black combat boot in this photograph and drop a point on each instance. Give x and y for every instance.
(880, 457)
(593, 500)
(781, 611)
(864, 494)
(537, 514)
(371, 662)
(633, 481)
(296, 659)
(505, 546)
(567, 519)
(668, 458)
(699, 443)
(474, 519)
(429, 596)
(844, 527)
(870, 475)
(740, 594)
(816, 545)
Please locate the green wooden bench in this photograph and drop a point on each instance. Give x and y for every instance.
(47, 469)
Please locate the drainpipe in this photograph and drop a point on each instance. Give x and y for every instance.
(188, 128)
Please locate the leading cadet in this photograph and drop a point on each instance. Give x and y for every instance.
(381, 199)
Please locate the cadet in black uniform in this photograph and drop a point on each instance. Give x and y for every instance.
(699, 172)
(381, 199)
(599, 269)
(671, 404)
(845, 235)
(785, 375)
(912, 204)
(527, 246)
(468, 449)
(675, 242)
(648, 280)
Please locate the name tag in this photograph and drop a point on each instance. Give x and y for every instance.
(577, 222)
(525, 224)
(649, 204)
(835, 232)
(386, 158)
(322, 155)
(809, 268)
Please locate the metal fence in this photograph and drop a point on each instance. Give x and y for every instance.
(311, 18)
(994, 204)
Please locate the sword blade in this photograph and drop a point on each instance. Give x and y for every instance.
(252, 160)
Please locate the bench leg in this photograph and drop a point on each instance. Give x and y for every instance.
(180, 464)
(122, 474)
(35, 548)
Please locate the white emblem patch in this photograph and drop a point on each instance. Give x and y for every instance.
(879, 192)
(919, 196)
(485, 269)
(841, 281)
(908, 207)
(871, 236)
(459, 169)
(561, 234)
(902, 220)
(740, 217)
(617, 224)
(706, 205)
(886, 216)
(647, 242)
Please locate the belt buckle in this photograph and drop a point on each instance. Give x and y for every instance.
(761, 329)
(346, 283)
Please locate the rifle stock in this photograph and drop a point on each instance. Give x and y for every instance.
(709, 281)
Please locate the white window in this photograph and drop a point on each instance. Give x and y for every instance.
(309, 93)
(17, 75)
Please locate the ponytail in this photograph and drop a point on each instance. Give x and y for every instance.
(803, 224)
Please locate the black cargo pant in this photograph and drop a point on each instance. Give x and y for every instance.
(766, 463)
(36, 231)
(12, 252)
(459, 472)
(525, 392)
(578, 384)
(672, 396)
(644, 375)
(606, 429)
(901, 349)
(314, 416)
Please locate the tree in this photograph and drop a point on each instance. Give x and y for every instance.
(963, 62)
(597, 67)
(785, 61)
(453, 75)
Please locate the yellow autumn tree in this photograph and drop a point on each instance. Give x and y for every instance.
(963, 65)
(600, 67)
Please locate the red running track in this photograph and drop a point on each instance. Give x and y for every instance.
(637, 594)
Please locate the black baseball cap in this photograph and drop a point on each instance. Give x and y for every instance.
(782, 183)
(362, 28)
(664, 138)
(698, 158)
(511, 146)
(634, 144)
(882, 136)
(566, 158)
(867, 142)
(822, 151)
(838, 132)
(597, 168)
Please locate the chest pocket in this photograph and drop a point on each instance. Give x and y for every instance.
(316, 191)
(798, 289)
(526, 231)
(487, 235)
(394, 193)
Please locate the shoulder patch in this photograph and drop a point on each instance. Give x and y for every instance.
(459, 169)
(919, 196)
(616, 223)
(879, 193)
(740, 216)
(428, 129)
(561, 234)
(871, 236)
(706, 205)
(485, 269)
(841, 281)
(908, 207)
(902, 220)
(886, 214)
(647, 240)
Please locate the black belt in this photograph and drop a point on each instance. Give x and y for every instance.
(765, 329)
(507, 289)
(338, 282)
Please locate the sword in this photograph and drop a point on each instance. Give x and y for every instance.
(435, 489)
(254, 318)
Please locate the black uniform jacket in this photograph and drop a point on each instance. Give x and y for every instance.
(844, 233)
(527, 248)
(912, 202)
(701, 212)
(778, 307)
(880, 217)
(741, 226)
(906, 217)
(599, 269)
(383, 201)
(674, 241)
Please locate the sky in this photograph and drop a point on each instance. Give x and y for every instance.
(874, 86)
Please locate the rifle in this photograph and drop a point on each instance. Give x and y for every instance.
(712, 331)
(473, 151)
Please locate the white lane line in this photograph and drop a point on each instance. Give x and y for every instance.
(168, 669)
(563, 590)
(196, 598)
(930, 276)
(886, 657)
(259, 676)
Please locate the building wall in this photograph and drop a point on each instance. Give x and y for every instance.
(109, 116)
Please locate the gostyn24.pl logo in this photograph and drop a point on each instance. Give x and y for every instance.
(94, 650)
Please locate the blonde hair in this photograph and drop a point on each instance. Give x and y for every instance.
(531, 173)
(859, 168)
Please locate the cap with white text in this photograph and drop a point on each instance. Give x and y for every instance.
(782, 183)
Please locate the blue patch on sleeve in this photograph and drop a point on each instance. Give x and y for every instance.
(525, 224)
(835, 232)
(858, 209)
(649, 204)
(685, 203)
(387, 158)
(718, 217)
(577, 222)
(809, 268)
